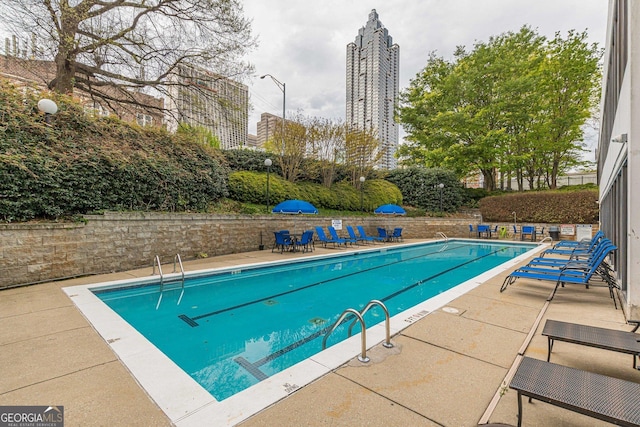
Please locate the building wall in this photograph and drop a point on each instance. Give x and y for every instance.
(618, 154)
(372, 82)
(31, 253)
(201, 98)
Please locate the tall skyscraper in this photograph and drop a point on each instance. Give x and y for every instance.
(372, 86)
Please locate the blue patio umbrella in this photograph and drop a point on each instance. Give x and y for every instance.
(295, 207)
(390, 210)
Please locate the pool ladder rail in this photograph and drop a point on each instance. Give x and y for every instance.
(441, 235)
(164, 280)
(359, 317)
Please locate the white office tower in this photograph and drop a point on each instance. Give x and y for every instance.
(372, 86)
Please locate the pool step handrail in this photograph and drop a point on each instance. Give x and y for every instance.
(379, 303)
(176, 261)
(442, 236)
(363, 338)
(546, 239)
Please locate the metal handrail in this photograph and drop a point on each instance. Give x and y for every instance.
(371, 303)
(156, 261)
(363, 338)
(442, 235)
(179, 260)
(545, 239)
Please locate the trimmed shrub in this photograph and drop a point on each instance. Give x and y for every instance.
(556, 207)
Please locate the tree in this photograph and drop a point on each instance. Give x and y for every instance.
(327, 145)
(291, 149)
(362, 152)
(199, 134)
(111, 49)
(513, 105)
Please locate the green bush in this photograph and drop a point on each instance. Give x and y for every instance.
(419, 187)
(78, 164)
(556, 207)
(252, 186)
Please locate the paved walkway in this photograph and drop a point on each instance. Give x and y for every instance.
(447, 369)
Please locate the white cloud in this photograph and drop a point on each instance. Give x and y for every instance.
(303, 43)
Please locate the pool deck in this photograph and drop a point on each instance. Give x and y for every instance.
(447, 369)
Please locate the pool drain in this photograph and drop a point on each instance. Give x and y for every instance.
(271, 302)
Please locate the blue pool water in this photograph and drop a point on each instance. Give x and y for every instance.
(232, 329)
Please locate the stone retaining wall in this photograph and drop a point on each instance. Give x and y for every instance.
(33, 253)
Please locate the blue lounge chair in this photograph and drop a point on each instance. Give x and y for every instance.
(337, 239)
(322, 237)
(364, 236)
(282, 241)
(306, 241)
(580, 249)
(353, 236)
(397, 234)
(571, 273)
(568, 244)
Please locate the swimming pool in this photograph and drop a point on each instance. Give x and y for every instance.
(240, 322)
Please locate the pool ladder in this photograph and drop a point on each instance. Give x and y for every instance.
(176, 261)
(441, 235)
(359, 317)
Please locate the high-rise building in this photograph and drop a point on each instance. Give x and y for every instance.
(372, 86)
(202, 98)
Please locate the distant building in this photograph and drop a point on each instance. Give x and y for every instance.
(146, 111)
(201, 98)
(373, 86)
(252, 141)
(266, 127)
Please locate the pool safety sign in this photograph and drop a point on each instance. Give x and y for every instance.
(584, 231)
(32, 416)
(568, 229)
(337, 224)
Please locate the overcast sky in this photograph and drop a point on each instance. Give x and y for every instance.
(303, 43)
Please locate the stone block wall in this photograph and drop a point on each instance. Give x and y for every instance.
(40, 252)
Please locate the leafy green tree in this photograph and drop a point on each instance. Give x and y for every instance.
(500, 109)
(420, 187)
(199, 134)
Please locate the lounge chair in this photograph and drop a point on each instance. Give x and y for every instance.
(572, 273)
(282, 241)
(607, 339)
(363, 235)
(306, 241)
(353, 236)
(337, 239)
(567, 244)
(576, 249)
(323, 237)
(397, 234)
(605, 398)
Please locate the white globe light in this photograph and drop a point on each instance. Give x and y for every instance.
(268, 162)
(47, 106)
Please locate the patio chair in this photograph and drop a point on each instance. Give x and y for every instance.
(591, 336)
(382, 234)
(528, 230)
(337, 239)
(353, 236)
(571, 273)
(397, 234)
(471, 230)
(364, 236)
(306, 241)
(322, 237)
(599, 396)
(484, 230)
(282, 241)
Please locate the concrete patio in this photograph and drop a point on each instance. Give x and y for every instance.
(447, 369)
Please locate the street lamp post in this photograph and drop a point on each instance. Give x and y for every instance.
(441, 186)
(283, 88)
(362, 179)
(268, 163)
